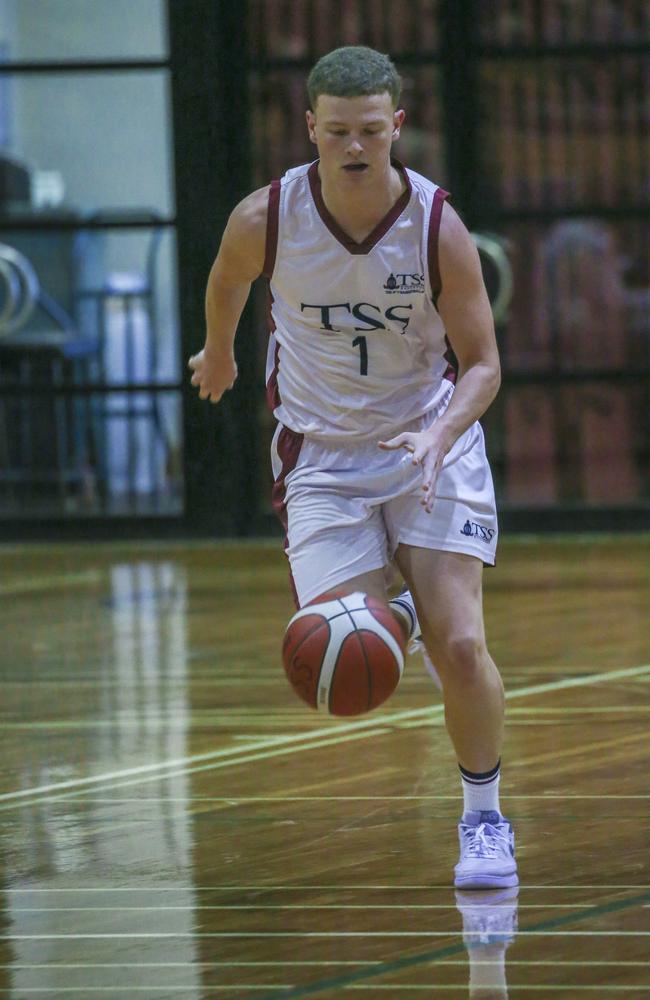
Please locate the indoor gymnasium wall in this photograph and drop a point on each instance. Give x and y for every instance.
(534, 116)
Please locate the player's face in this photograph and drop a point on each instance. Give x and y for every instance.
(354, 135)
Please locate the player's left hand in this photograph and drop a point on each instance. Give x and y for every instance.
(427, 452)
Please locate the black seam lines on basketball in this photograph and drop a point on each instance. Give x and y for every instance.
(304, 639)
(327, 622)
(363, 649)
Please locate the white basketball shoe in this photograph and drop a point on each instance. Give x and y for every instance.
(487, 852)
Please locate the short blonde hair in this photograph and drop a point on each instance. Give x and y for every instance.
(353, 71)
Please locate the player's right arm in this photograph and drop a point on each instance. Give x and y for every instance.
(240, 260)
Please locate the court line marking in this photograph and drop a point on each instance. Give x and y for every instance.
(297, 888)
(161, 907)
(190, 990)
(511, 986)
(267, 799)
(308, 962)
(241, 935)
(351, 980)
(346, 980)
(50, 582)
(533, 717)
(285, 744)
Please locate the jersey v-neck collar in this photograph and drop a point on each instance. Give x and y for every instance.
(382, 227)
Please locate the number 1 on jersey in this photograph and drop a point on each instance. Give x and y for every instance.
(362, 344)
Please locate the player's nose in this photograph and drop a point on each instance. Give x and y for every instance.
(355, 148)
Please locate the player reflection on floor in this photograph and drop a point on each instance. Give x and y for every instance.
(489, 927)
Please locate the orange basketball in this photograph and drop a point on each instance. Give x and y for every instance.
(345, 654)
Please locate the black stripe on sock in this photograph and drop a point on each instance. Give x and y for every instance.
(404, 605)
(480, 779)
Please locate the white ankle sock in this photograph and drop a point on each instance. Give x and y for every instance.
(404, 608)
(481, 791)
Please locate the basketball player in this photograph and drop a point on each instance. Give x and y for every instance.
(374, 282)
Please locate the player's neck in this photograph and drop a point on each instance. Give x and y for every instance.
(360, 209)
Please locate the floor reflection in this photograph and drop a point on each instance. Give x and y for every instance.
(83, 859)
(489, 928)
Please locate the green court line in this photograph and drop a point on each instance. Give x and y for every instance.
(399, 964)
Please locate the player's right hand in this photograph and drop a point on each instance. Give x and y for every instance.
(213, 372)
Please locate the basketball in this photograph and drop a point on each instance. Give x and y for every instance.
(345, 654)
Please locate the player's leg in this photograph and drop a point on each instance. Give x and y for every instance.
(336, 534)
(374, 584)
(447, 591)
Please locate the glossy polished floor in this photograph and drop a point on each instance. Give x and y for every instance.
(174, 824)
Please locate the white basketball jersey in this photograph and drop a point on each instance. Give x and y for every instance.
(357, 348)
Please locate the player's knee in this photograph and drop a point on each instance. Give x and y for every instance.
(463, 658)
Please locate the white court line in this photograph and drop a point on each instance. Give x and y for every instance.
(283, 906)
(166, 990)
(289, 963)
(601, 987)
(299, 888)
(242, 800)
(190, 991)
(337, 733)
(306, 934)
(36, 583)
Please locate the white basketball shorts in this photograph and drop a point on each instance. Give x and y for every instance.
(347, 506)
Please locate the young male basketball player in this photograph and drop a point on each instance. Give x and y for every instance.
(378, 454)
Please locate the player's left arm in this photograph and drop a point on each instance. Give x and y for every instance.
(465, 310)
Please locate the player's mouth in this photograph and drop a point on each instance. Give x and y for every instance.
(355, 168)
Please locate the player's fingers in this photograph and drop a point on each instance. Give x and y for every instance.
(429, 477)
(393, 443)
(427, 498)
(420, 453)
(401, 441)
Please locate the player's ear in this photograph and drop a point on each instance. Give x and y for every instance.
(311, 125)
(398, 121)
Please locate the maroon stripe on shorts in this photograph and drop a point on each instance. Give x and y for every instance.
(433, 234)
(289, 444)
(272, 227)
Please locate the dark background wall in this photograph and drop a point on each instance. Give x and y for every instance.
(534, 115)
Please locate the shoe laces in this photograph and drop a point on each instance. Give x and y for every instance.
(485, 841)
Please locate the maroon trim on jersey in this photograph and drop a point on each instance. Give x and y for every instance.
(289, 444)
(433, 234)
(272, 225)
(380, 229)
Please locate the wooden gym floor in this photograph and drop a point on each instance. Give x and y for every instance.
(174, 824)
